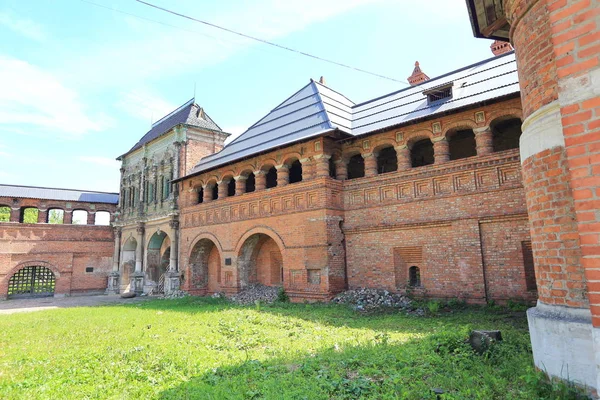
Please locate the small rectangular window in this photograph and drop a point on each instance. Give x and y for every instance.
(89, 269)
(228, 261)
(438, 93)
(528, 265)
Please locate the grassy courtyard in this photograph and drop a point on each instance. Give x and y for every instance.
(210, 349)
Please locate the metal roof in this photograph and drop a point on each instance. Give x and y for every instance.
(317, 109)
(32, 192)
(189, 113)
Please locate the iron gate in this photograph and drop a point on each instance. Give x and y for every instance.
(31, 282)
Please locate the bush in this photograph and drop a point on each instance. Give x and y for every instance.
(282, 296)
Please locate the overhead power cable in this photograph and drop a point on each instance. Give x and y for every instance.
(270, 43)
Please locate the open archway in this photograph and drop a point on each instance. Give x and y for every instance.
(204, 270)
(260, 261)
(159, 246)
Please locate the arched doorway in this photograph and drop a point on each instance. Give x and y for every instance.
(34, 281)
(204, 271)
(127, 261)
(260, 261)
(157, 257)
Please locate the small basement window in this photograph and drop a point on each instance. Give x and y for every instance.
(414, 276)
(438, 93)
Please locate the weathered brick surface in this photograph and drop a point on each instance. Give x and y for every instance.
(67, 250)
(466, 218)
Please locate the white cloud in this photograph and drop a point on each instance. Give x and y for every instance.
(102, 161)
(22, 26)
(151, 51)
(31, 96)
(143, 104)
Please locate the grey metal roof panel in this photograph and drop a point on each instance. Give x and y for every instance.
(189, 113)
(301, 116)
(33, 192)
(316, 109)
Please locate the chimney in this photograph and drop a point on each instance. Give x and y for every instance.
(417, 76)
(500, 47)
(322, 81)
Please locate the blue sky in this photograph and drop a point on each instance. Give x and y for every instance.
(80, 84)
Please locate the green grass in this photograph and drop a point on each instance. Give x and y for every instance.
(209, 349)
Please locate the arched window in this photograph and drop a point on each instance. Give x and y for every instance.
(80, 217)
(332, 168)
(4, 214)
(271, 177)
(215, 191)
(29, 215)
(414, 276)
(421, 153)
(387, 161)
(55, 216)
(231, 187)
(506, 134)
(102, 218)
(356, 167)
(462, 144)
(296, 172)
(250, 183)
(200, 192)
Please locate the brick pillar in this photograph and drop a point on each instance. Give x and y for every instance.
(403, 157)
(68, 217)
(370, 164)
(260, 180)
(322, 161)
(113, 286)
(91, 217)
(341, 169)
(137, 278)
(222, 188)
(483, 140)
(308, 168)
(283, 174)
(42, 216)
(15, 214)
(207, 194)
(558, 73)
(240, 184)
(441, 150)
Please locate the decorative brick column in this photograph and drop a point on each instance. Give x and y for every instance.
(403, 157)
(260, 180)
(137, 278)
(91, 217)
(207, 194)
(283, 174)
(441, 150)
(483, 140)
(113, 286)
(222, 188)
(42, 216)
(559, 71)
(370, 164)
(68, 217)
(172, 281)
(15, 214)
(341, 169)
(240, 184)
(322, 161)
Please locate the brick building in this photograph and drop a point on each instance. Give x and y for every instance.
(146, 225)
(557, 45)
(417, 190)
(54, 241)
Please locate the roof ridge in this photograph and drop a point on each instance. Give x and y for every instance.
(181, 107)
(55, 188)
(322, 104)
(335, 91)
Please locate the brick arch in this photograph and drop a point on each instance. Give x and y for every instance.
(204, 235)
(230, 173)
(268, 161)
(458, 125)
(253, 246)
(288, 158)
(383, 143)
(245, 168)
(417, 136)
(504, 114)
(351, 152)
(196, 263)
(213, 179)
(25, 264)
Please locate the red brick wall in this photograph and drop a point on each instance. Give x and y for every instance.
(67, 250)
(466, 217)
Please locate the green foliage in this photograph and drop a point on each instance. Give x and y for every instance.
(433, 307)
(208, 348)
(516, 305)
(456, 304)
(55, 216)
(30, 216)
(282, 296)
(4, 214)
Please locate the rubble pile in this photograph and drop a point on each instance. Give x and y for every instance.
(256, 292)
(368, 299)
